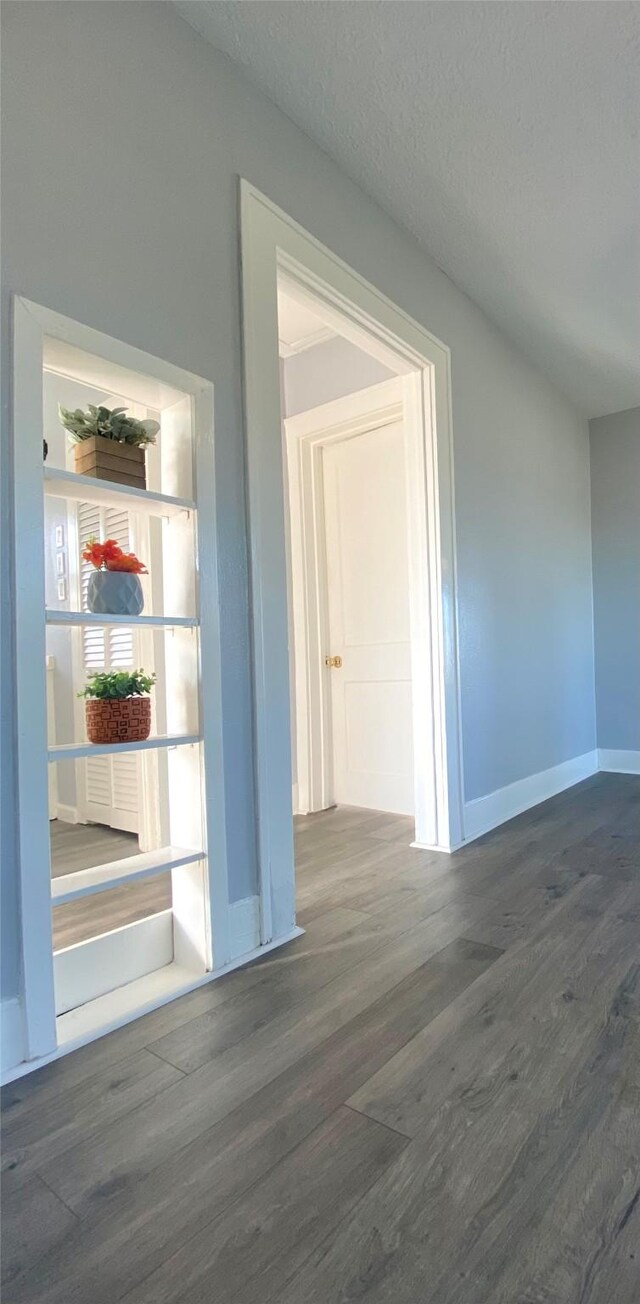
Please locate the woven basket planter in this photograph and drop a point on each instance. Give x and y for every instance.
(125, 720)
(106, 459)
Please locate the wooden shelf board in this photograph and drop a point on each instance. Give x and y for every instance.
(88, 489)
(76, 751)
(86, 882)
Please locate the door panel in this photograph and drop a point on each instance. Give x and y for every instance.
(369, 622)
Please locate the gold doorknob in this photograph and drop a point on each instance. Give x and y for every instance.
(333, 662)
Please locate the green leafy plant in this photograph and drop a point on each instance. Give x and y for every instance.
(113, 685)
(108, 423)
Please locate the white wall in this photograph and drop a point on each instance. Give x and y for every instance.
(327, 371)
(615, 498)
(120, 209)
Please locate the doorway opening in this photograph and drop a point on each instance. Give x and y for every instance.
(347, 533)
(329, 732)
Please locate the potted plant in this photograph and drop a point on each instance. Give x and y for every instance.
(114, 588)
(109, 444)
(118, 706)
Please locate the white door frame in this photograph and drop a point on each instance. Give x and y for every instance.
(306, 434)
(272, 245)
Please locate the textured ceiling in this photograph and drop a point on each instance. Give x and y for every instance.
(504, 136)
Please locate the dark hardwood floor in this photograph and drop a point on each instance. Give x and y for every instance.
(433, 1097)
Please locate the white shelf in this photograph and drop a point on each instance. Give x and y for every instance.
(97, 618)
(86, 882)
(76, 751)
(88, 489)
(105, 1013)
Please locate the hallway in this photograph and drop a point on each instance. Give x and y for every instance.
(432, 1095)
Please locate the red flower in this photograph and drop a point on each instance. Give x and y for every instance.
(111, 549)
(94, 553)
(111, 556)
(126, 561)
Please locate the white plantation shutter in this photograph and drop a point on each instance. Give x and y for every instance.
(124, 791)
(89, 527)
(111, 781)
(109, 648)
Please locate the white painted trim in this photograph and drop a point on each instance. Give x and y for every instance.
(486, 813)
(618, 762)
(244, 926)
(428, 846)
(103, 878)
(289, 348)
(31, 704)
(306, 434)
(100, 965)
(272, 242)
(68, 814)
(51, 734)
(309, 612)
(13, 1046)
(117, 1009)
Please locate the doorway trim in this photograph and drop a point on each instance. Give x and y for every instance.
(273, 244)
(306, 435)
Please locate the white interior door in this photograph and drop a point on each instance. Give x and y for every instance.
(111, 783)
(366, 530)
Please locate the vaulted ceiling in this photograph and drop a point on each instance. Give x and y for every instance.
(503, 136)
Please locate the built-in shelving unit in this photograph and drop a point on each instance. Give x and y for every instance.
(176, 775)
(160, 796)
(171, 789)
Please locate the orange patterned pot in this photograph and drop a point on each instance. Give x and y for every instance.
(125, 720)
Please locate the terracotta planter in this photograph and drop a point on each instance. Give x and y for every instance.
(106, 459)
(125, 720)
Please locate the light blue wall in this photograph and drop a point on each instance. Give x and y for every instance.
(120, 209)
(524, 572)
(615, 498)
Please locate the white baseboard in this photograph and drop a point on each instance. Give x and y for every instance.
(486, 813)
(101, 965)
(68, 814)
(431, 846)
(12, 1038)
(618, 762)
(244, 925)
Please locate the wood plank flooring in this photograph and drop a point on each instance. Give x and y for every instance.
(82, 846)
(433, 1097)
